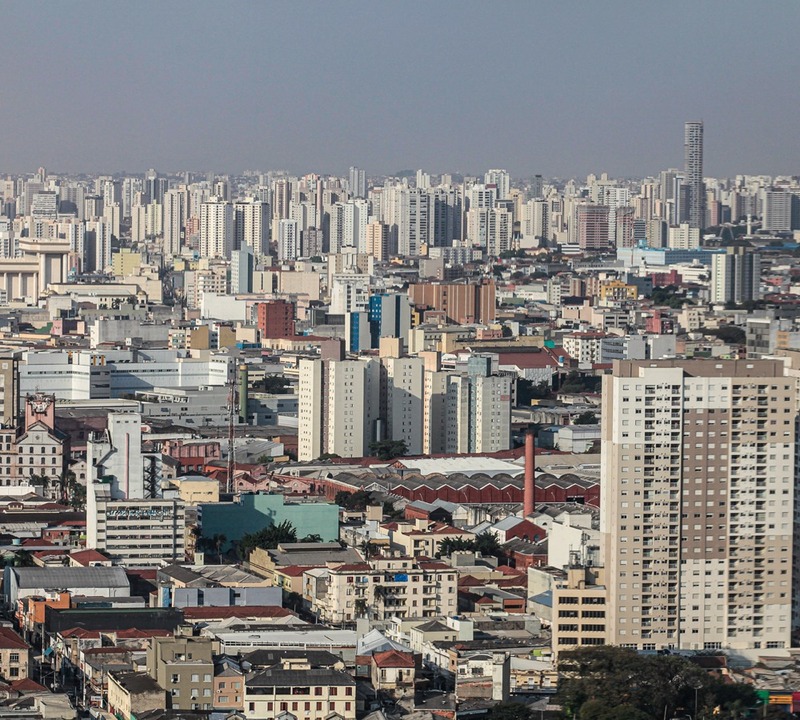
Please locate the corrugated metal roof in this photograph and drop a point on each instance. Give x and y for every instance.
(71, 577)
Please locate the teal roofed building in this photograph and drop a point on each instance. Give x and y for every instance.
(255, 511)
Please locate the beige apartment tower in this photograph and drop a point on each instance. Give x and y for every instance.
(698, 498)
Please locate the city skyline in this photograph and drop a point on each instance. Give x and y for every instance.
(448, 89)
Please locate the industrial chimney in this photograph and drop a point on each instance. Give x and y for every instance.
(529, 496)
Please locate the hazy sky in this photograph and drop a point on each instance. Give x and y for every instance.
(560, 88)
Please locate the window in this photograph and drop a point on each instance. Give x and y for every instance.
(13, 658)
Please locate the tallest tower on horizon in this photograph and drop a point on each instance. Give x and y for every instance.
(693, 155)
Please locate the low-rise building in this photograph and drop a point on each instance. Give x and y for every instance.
(136, 533)
(393, 672)
(131, 694)
(305, 692)
(381, 588)
(184, 667)
(579, 609)
(15, 660)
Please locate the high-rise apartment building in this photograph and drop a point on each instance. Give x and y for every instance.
(406, 211)
(736, 275)
(251, 224)
(288, 240)
(216, 229)
(275, 319)
(592, 221)
(463, 303)
(338, 402)
(693, 158)
(500, 180)
(698, 497)
(358, 182)
(377, 234)
(175, 208)
(777, 211)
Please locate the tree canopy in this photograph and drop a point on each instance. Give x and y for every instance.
(486, 544)
(353, 502)
(612, 683)
(268, 538)
(586, 418)
(388, 449)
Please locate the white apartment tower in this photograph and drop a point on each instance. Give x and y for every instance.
(175, 210)
(405, 390)
(216, 229)
(338, 403)
(251, 221)
(698, 498)
(735, 275)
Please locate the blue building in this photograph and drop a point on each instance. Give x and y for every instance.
(255, 511)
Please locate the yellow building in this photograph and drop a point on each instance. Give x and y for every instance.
(125, 262)
(196, 490)
(618, 290)
(579, 609)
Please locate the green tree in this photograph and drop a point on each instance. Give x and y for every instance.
(574, 382)
(77, 497)
(275, 385)
(639, 686)
(313, 538)
(527, 391)
(586, 418)
(456, 544)
(39, 481)
(267, 538)
(353, 502)
(487, 544)
(23, 558)
(388, 449)
(731, 334)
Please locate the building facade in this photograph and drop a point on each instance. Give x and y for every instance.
(698, 491)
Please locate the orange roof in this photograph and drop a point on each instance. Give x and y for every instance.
(294, 570)
(393, 659)
(87, 556)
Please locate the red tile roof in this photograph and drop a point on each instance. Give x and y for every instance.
(26, 685)
(220, 613)
(134, 633)
(393, 659)
(9, 640)
(84, 557)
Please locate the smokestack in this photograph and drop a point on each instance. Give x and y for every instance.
(529, 496)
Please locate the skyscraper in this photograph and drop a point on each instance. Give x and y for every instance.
(698, 497)
(216, 229)
(358, 182)
(693, 156)
(175, 211)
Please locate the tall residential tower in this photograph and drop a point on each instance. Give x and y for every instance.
(693, 155)
(698, 497)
